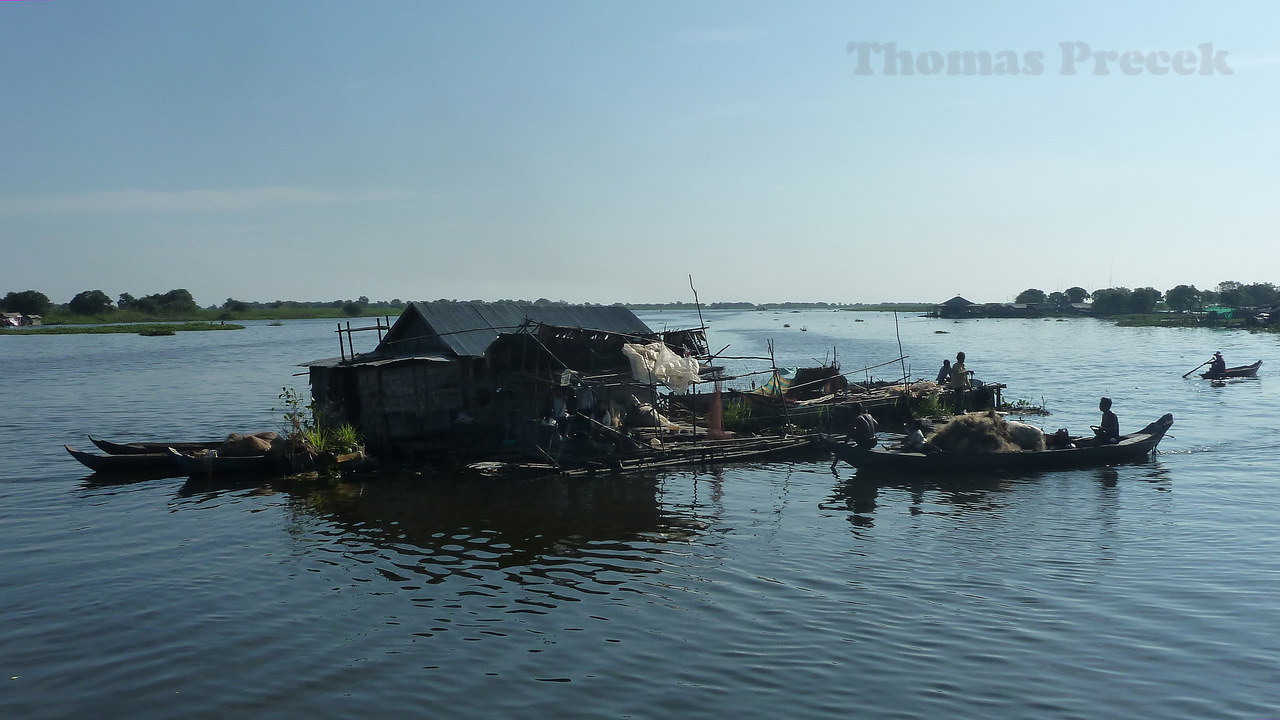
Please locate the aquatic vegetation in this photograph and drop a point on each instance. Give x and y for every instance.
(1024, 407)
(302, 422)
(736, 413)
(928, 406)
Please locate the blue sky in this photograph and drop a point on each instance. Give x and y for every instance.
(605, 152)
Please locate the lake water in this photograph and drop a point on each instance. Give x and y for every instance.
(788, 589)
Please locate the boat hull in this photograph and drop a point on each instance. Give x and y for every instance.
(209, 464)
(1243, 371)
(151, 448)
(140, 463)
(1130, 448)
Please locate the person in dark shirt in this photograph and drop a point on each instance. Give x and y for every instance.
(1217, 365)
(1109, 430)
(863, 427)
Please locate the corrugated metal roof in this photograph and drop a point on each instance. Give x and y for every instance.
(370, 361)
(468, 329)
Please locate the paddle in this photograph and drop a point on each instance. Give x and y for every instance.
(1206, 362)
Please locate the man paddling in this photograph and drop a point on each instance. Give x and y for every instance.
(1217, 365)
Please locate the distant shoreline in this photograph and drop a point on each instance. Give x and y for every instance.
(204, 320)
(852, 307)
(168, 328)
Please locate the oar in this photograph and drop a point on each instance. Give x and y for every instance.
(1206, 362)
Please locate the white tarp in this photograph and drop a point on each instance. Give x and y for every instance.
(656, 363)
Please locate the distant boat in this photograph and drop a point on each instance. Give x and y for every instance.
(1243, 371)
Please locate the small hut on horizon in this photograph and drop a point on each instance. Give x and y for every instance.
(956, 307)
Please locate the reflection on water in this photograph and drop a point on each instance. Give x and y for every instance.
(515, 522)
(859, 493)
(968, 492)
(798, 589)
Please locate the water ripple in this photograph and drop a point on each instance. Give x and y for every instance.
(796, 590)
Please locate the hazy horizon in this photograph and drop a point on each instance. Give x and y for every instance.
(843, 152)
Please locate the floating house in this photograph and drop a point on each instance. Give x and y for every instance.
(958, 307)
(485, 380)
(19, 320)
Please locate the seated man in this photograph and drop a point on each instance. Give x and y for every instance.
(863, 427)
(1109, 430)
(914, 442)
(1217, 365)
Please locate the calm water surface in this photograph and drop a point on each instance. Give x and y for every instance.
(789, 589)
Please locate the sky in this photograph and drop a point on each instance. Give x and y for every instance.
(635, 152)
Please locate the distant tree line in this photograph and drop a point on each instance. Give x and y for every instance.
(348, 307)
(1182, 298)
(177, 303)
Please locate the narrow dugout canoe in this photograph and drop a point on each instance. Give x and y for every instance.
(210, 463)
(151, 448)
(1086, 453)
(148, 463)
(1242, 371)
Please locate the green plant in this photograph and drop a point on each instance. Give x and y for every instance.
(300, 420)
(1024, 407)
(929, 406)
(736, 413)
(338, 440)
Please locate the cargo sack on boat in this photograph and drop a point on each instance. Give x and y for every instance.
(237, 445)
(655, 363)
(975, 433)
(1027, 437)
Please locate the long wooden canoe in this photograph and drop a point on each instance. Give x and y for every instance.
(1242, 371)
(1087, 452)
(698, 452)
(210, 463)
(146, 463)
(151, 448)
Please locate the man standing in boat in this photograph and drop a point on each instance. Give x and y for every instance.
(960, 382)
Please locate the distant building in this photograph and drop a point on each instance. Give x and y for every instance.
(958, 307)
(18, 320)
